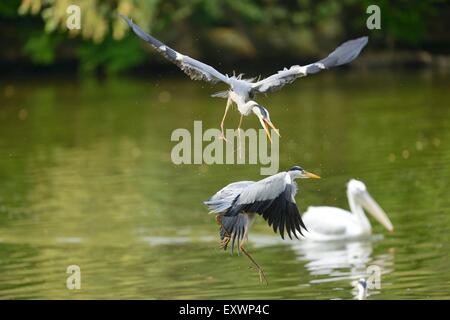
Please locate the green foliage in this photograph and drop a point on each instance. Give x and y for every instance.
(8, 9)
(405, 21)
(112, 55)
(245, 27)
(41, 47)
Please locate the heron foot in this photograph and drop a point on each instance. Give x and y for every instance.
(226, 237)
(262, 275)
(256, 266)
(224, 243)
(219, 219)
(222, 137)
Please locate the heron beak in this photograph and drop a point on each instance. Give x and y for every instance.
(311, 175)
(270, 124)
(266, 128)
(375, 210)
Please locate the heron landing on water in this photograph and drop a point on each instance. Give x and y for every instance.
(242, 92)
(273, 198)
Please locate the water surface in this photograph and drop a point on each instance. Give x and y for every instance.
(87, 179)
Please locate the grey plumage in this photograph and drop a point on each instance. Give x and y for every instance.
(236, 227)
(197, 70)
(223, 199)
(345, 53)
(273, 198)
(241, 91)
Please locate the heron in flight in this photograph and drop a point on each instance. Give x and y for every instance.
(242, 92)
(273, 198)
(330, 223)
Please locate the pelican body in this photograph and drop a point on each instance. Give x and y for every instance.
(330, 223)
(242, 92)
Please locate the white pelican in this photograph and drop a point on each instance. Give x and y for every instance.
(330, 223)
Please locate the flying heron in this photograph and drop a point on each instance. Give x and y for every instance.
(243, 91)
(273, 198)
(330, 223)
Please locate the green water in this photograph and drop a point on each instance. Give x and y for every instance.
(86, 179)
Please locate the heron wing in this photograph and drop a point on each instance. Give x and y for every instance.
(273, 199)
(195, 69)
(223, 199)
(345, 53)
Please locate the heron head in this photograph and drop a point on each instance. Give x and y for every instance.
(299, 172)
(357, 191)
(264, 119)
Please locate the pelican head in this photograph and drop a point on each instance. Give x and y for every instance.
(299, 172)
(264, 119)
(358, 191)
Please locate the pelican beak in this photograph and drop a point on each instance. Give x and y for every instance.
(375, 210)
(311, 175)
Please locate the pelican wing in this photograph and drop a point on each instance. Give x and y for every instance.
(273, 199)
(345, 53)
(327, 221)
(195, 69)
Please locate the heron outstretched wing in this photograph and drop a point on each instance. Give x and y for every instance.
(195, 69)
(224, 198)
(273, 199)
(345, 53)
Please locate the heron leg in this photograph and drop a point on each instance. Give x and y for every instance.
(226, 239)
(229, 101)
(262, 276)
(239, 137)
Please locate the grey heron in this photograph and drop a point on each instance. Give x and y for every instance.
(243, 91)
(273, 198)
(330, 223)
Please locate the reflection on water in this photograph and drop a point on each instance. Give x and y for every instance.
(329, 258)
(339, 261)
(87, 179)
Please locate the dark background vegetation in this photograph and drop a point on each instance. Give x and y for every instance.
(255, 33)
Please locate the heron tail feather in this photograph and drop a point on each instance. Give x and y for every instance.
(233, 227)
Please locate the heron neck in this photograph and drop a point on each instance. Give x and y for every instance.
(358, 211)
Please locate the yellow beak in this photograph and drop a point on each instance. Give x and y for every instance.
(311, 175)
(267, 125)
